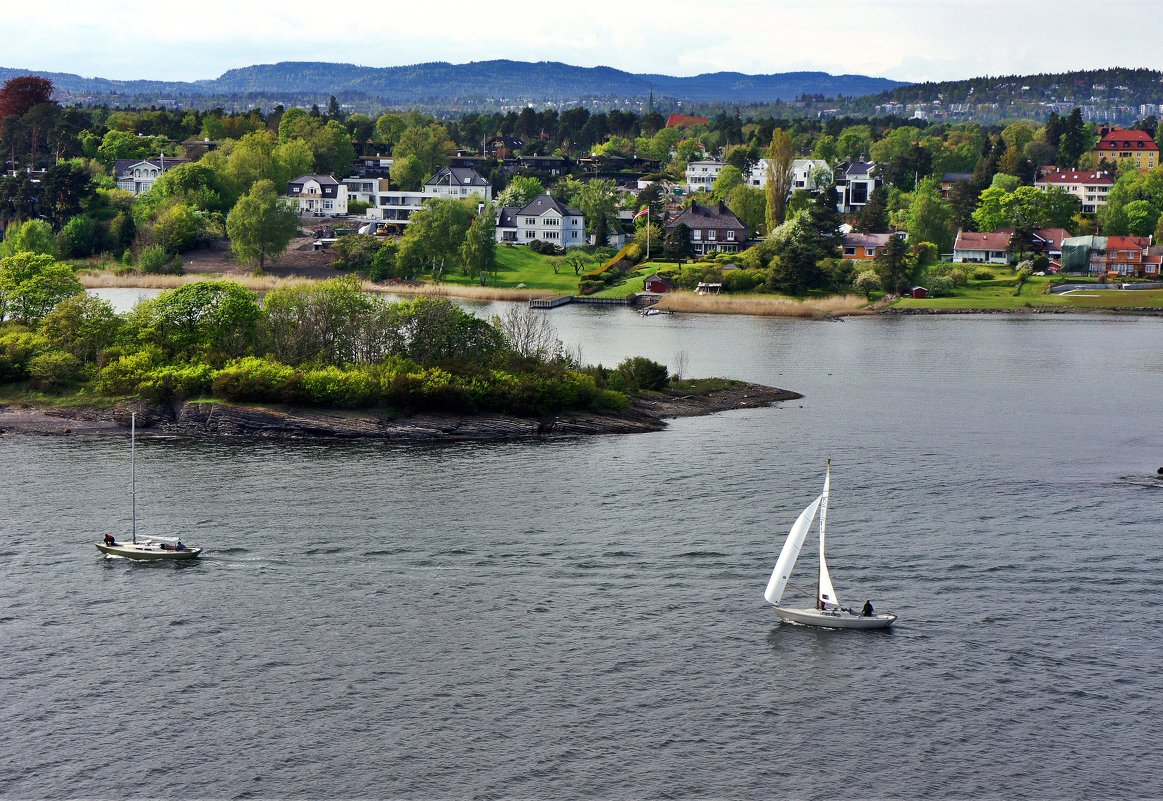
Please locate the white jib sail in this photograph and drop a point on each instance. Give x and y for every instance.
(791, 550)
(827, 593)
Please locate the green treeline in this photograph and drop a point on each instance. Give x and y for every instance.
(325, 344)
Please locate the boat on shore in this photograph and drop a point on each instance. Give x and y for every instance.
(154, 548)
(828, 611)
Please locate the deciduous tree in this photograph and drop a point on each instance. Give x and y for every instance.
(260, 226)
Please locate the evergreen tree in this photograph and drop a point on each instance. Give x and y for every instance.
(1074, 140)
(894, 267)
(874, 216)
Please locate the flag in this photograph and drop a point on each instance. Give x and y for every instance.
(642, 213)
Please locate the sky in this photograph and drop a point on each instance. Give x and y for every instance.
(909, 40)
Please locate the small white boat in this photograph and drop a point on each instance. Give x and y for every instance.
(828, 612)
(156, 548)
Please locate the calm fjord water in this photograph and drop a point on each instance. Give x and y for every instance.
(585, 618)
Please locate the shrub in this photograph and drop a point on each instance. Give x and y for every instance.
(958, 276)
(1040, 264)
(255, 379)
(169, 382)
(17, 349)
(742, 280)
(940, 286)
(53, 370)
(124, 373)
(641, 373)
(155, 259)
(982, 274)
(546, 248)
(333, 386)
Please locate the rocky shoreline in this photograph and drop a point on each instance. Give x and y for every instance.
(228, 420)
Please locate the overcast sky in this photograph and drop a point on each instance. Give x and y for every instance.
(911, 40)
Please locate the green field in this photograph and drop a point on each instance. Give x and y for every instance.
(997, 293)
(519, 265)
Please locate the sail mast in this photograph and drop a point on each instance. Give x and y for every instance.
(133, 472)
(823, 526)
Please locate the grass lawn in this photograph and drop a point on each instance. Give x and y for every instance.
(998, 293)
(519, 265)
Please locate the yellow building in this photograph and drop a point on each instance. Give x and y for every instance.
(1118, 144)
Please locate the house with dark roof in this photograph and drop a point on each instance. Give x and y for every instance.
(951, 179)
(139, 175)
(457, 182)
(864, 247)
(318, 195)
(543, 218)
(550, 165)
(712, 229)
(855, 183)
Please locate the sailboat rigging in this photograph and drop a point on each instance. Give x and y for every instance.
(827, 611)
(153, 549)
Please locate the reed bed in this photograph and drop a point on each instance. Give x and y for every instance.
(101, 279)
(815, 308)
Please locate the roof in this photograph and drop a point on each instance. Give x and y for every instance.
(685, 121)
(866, 240)
(860, 168)
(120, 166)
(1076, 177)
(322, 180)
(1126, 139)
(507, 217)
(462, 176)
(957, 177)
(1127, 242)
(543, 203)
(973, 240)
(697, 216)
(1052, 236)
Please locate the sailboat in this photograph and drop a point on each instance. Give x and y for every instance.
(154, 549)
(828, 611)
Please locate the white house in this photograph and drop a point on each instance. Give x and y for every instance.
(1091, 188)
(543, 218)
(809, 174)
(319, 195)
(139, 177)
(855, 186)
(397, 206)
(701, 174)
(989, 248)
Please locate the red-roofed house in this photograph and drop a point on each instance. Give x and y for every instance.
(1124, 254)
(1091, 188)
(1121, 143)
(1153, 262)
(685, 121)
(990, 248)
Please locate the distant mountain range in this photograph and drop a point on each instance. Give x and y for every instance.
(480, 84)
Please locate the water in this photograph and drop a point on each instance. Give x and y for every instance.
(585, 618)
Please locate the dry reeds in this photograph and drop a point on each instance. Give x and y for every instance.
(832, 306)
(102, 279)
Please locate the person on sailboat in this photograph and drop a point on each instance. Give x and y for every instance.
(867, 610)
(109, 540)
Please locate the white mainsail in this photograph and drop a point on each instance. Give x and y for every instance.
(826, 593)
(791, 549)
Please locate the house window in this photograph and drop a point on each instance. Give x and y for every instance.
(731, 235)
(531, 221)
(849, 251)
(696, 234)
(552, 221)
(712, 234)
(573, 234)
(552, 234)
(530, 234)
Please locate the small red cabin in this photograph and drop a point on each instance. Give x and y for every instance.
(656, 283)
(918, 292)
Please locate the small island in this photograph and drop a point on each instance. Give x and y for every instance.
(324, 360)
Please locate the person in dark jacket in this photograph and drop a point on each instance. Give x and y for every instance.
(867, 610)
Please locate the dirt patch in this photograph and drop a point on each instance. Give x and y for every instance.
(301, 259)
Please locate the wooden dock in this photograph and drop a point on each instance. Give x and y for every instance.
(562, 300)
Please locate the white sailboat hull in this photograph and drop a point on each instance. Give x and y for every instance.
(146, 551)
(834, 618)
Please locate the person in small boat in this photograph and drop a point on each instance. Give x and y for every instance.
(109, 540)
(180, 546)
(867, 610)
